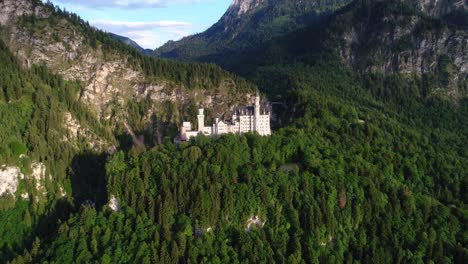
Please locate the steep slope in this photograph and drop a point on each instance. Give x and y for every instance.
(43, 129)
(246, 25)
(441, 8)
(376, 39)
(352, 178)
(114, 76)
(427, 39)
(394, 37)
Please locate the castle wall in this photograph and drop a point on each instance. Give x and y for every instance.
(247, 121)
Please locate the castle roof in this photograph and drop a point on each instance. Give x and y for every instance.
(250, 110)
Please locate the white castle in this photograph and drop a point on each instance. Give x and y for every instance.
(245, 119)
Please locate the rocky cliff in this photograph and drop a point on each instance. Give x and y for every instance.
(392, 37)
(241, 7)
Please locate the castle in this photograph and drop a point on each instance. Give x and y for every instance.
(245, 119)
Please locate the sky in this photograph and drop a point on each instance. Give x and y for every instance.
(150, 23)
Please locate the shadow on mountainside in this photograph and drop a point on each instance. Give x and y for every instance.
(88, 179)
(87, 174)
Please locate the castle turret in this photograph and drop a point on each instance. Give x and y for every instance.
(257, 113)
(201, 120)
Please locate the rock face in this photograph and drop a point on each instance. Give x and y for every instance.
(113, 204)
(389, 42)
(243, 6)
(9, 178)
(11, 175)
(12, 9)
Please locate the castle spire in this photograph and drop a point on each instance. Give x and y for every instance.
(257, 112)
(201, 120)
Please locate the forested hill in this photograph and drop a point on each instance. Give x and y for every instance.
(246, 25)
(422, 38)
(369, 166)
(378, 38)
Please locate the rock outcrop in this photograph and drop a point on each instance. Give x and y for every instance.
(241, 7)
(113, 204)
(9, 179)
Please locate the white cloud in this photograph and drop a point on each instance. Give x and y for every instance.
(140, 25)
(126, 3)
(144, 38)
(147, 34)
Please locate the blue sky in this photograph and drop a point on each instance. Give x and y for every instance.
(150, 23)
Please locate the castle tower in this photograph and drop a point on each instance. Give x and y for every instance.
(201, 120)
(257, 113)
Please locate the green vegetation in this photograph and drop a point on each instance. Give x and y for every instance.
(374, 191)
(32, 104)
(368, 168)
(235, 34)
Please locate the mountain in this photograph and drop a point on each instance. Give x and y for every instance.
(131, 43)
(246, 25)
(425, 38)
(382, 38)
(367, 165)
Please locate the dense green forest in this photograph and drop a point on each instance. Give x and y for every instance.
(32, 104)
(342, 184)
(349, 180)
(367, 168)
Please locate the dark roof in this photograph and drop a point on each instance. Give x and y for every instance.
(250, 110)
(244, 110)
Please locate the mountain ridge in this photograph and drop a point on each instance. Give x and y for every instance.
(246, 24)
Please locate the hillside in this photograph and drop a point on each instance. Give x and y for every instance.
(368, 166)
(376, 41)
(246, 25)
(69, 97)
(423, 38)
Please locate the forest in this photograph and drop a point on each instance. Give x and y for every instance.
(329, 188)
(365, 168)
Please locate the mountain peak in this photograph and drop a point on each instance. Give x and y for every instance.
(241, 7)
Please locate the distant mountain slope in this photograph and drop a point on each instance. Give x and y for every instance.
(131, 43)
(427, 39)
(372, 37)
(246, 25)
